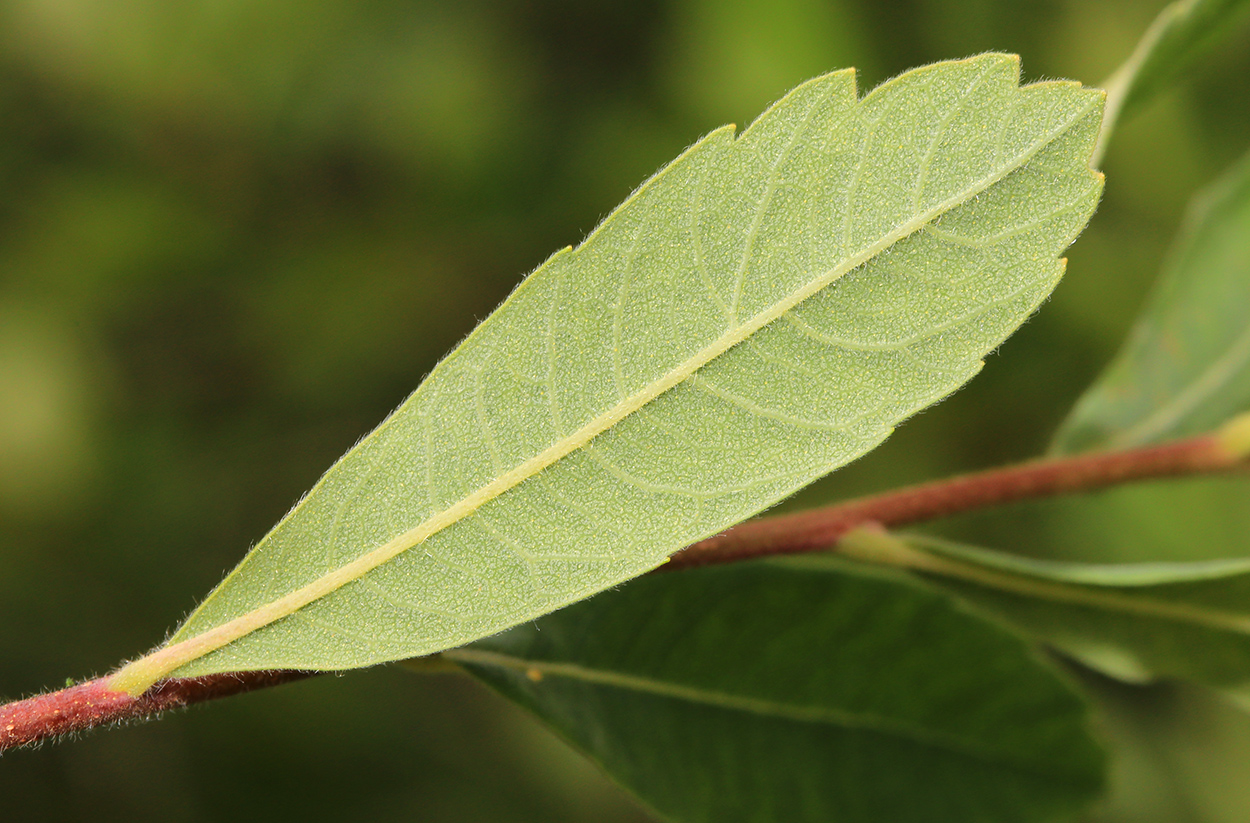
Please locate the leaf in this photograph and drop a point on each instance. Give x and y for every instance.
(1134, 622)
(1183, 754)
(1178, 36)
(1185, 368)
(760, 312)
(799, 691)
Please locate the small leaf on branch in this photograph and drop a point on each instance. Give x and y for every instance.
(1176, 38)
(1185, 368)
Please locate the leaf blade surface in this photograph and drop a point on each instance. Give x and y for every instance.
(760, 312)
(802, 692)
(1185, 367)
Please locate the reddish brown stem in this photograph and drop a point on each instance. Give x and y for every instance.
(820, 528)
(93, 704)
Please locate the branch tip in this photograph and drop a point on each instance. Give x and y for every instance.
(1234, 437)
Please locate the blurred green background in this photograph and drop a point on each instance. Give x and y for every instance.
(235, 233)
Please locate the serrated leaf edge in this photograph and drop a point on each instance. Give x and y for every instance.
(138, 676)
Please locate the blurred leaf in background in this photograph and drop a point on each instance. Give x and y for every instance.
(234, 235)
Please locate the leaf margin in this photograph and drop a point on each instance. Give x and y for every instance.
(173, 657)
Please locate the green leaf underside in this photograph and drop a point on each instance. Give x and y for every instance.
(801, 692)
(761, 311)
(1179, 35)
(1185, 368)
(1134, 622)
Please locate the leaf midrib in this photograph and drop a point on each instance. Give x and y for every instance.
(537, 670)
(140, 674)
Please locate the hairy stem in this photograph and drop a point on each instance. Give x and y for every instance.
(95, 703)
(90, 704)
